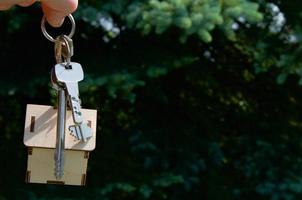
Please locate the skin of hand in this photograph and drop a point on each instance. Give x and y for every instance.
(54, 10)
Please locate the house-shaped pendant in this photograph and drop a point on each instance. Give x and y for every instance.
(40, 138)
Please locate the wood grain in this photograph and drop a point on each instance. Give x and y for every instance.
(43, 134)
(40, 167)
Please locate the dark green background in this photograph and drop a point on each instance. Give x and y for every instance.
(188, 107)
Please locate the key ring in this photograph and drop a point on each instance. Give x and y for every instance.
(49, 37)
(63, 49)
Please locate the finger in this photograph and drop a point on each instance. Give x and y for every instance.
(56, 10)
(5, 6)
(54, 18)
(26, 3)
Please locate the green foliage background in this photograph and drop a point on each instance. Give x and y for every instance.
(197, 99)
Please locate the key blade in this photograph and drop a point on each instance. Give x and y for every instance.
(86, 132)
(74, 101)
(75, 132)
(60, 140)
(72, 89)
(76, 110)
(59, 165)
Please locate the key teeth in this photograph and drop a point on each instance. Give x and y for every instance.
(74, 136)
(58, 174)
(78, 136)
(59, 168)
(73, 132)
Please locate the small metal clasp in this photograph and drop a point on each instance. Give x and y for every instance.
(63, 49)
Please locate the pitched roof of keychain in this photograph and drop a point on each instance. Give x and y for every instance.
(40, 128)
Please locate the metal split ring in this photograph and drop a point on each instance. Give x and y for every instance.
(63, 49)
(49, 37)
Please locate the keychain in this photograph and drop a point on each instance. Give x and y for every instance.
(45, 127)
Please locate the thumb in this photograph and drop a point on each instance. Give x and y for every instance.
(56, 10)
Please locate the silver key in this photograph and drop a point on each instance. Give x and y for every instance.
(70, 77)
(61, 117)
(60, 140)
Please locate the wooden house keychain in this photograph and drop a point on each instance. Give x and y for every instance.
(53, 156)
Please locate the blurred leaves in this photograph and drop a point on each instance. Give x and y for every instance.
(198, 17)
(214, 116)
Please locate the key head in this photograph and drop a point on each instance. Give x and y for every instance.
(72, 73)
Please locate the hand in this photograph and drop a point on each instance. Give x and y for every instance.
(54, 10)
